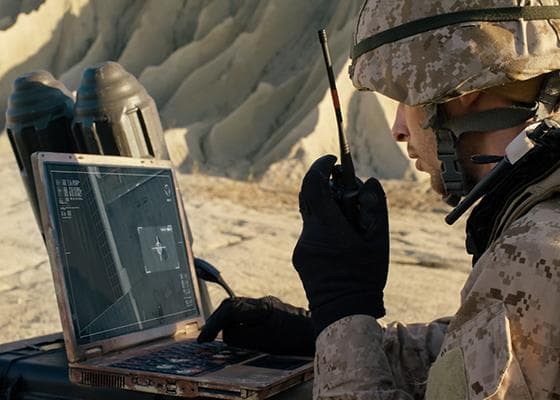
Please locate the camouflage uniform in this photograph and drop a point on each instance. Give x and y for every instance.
(504, 341)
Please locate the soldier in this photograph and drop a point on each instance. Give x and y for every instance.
(475, 81)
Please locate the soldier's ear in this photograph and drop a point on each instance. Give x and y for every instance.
(463, 105)
(467, 101)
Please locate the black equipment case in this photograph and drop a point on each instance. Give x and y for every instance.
(37, 369)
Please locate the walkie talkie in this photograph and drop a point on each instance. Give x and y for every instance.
(344, 184)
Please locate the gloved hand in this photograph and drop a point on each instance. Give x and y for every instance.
(343, 267)
(265, 324)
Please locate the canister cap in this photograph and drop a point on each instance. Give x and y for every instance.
(37, 99)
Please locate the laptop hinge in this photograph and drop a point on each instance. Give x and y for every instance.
(191, 327)
(93, 352)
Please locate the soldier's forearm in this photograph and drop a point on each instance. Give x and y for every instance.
(350, 362)
(357, 358)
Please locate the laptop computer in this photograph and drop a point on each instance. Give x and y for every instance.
(119, 247)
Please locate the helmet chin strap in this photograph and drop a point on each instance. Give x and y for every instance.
(448, 131)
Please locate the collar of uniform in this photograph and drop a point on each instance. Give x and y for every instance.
(530, 182)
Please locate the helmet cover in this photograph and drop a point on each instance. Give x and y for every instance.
(436, 65)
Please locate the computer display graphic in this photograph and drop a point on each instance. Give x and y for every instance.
(158, 248)
(124, 256)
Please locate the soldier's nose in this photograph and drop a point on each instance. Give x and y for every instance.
(400, 130)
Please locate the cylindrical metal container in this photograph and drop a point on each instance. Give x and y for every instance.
(38, 118)
(114, 115)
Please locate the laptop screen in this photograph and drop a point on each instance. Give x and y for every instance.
(122, 246)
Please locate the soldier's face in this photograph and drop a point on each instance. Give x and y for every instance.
(421, 142)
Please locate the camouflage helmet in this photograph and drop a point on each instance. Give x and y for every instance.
(420, 52)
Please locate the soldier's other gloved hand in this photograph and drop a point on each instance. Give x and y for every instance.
(265, 324)
(343, 268)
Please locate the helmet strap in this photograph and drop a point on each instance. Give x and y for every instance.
(448, 131)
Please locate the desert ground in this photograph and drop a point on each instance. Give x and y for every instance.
(248, 231)
(243, 97)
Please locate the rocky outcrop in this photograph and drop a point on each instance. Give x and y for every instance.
(240, 85)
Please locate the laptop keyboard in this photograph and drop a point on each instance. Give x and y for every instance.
(188, 358)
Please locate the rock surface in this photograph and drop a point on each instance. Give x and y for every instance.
(244, 82)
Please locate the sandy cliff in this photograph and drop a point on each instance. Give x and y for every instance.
(242, 84)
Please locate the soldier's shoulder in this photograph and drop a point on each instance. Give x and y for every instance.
(510, 304)
(523, 264)
(534, 233)
(524, 261)
(542, 215)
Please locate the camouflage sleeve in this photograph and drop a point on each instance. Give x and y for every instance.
(504, 342)
(357, 359)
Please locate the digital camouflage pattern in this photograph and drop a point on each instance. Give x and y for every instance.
(503, 343)
(357, 359)
(435, 66)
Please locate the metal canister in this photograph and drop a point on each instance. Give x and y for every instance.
(38, 118)
(114, 115)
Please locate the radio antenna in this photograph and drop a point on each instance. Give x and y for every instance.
(348, 173)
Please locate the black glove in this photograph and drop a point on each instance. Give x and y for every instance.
(343, 267)
(265, 324)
